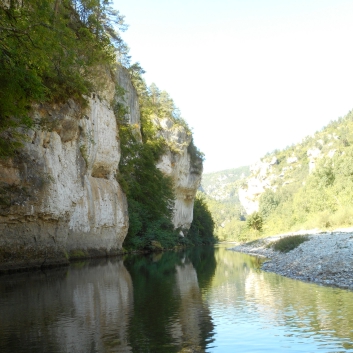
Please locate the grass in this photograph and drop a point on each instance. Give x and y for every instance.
(77, 254)
(288, 243)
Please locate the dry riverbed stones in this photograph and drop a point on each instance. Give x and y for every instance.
(325, 258)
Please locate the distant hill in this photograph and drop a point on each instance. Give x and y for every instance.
(221, 190)
(224, 185)
(304, 186)
(307, 185)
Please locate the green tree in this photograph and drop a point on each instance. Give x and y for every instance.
(202, 226)
(48, 52)
(149, 192)
(255, 221)
(269, 201)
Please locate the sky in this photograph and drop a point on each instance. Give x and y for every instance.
(249, 76)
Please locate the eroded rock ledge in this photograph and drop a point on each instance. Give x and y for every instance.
(326, 258)
(64, 200)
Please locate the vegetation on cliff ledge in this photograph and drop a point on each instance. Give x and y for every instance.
(150, 193)
(48, 50)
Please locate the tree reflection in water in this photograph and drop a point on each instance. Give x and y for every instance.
(169, 312)
(201, 299)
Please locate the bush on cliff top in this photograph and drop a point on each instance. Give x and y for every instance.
(47, 53)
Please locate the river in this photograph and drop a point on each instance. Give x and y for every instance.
(199, 300)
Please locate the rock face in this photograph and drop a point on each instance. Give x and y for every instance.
(178, 164)
(63, 199)
(129, 97)
(59, 198)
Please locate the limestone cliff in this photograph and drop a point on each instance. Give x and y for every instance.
(59, 197)
(179, 164)
(260, 179)
(64, 199)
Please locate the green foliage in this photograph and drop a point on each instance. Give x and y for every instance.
(151, 198)
(255, 221)
(48, 52)
(287, 244)
(202, 226)
(320, 199)
(269, 201)
(149, 192)
(220, 190)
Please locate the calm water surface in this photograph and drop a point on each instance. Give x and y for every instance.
(200, 300)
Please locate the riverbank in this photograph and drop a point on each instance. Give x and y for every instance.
(325, 258)
(13, 262)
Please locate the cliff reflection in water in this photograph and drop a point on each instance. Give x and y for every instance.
(199, 300)
(84, 308)
(169, 311)
(152, 304)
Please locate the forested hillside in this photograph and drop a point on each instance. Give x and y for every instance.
(312, 182)
(304, 186)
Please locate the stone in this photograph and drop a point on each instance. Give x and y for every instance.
(65, 200)
(315, 260)
(185, 173)
(73, 202)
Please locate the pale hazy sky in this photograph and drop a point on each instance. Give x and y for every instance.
(249, 76)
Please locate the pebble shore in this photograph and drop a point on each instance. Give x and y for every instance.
(326, 258)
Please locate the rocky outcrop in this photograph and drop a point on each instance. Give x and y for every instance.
(62, 198)
(59, 198)
(180, 166)
(128, 97)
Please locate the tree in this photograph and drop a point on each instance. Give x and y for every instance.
(202, 226)
(255, 221)
(47, 53)
(149, 192)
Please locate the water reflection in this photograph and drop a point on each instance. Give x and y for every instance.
(303, 317)
(84, 308)
(170, 314)
(199, 300)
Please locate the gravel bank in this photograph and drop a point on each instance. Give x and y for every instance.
(326, 258)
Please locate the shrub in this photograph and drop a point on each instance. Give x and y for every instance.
(255, 221)
(202, 226)
(289, 243)
(48, 54)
